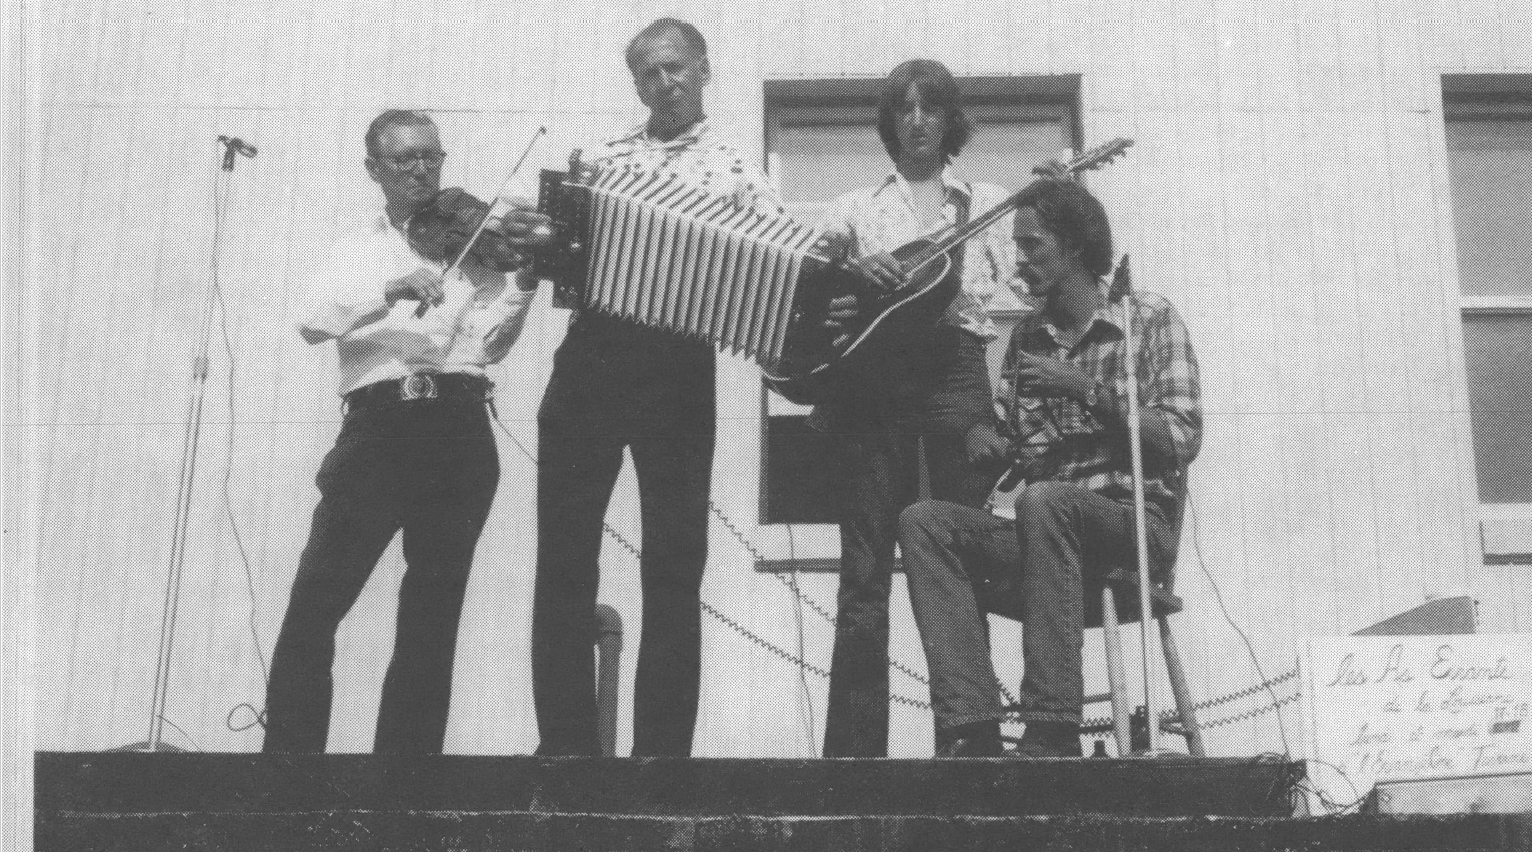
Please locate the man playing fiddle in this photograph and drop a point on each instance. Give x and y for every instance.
(415, 451)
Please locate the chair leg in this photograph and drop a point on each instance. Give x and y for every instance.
(1182, 692)
(1116, 677)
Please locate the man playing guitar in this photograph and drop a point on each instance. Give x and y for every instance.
(919, 396)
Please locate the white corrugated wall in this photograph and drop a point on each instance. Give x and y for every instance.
(1287, 190)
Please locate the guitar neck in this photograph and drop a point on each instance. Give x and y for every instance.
(1089, 160)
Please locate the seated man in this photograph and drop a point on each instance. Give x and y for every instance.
(1064, 394)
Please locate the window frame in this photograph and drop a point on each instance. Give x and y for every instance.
(1505, 529)
(815, 547)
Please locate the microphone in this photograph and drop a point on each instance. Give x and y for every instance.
(238, 145)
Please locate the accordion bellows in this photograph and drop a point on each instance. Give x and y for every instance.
(647, 247)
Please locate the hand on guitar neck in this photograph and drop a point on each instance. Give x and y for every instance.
(1054, 170)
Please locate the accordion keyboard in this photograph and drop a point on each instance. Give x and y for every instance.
(663, 253)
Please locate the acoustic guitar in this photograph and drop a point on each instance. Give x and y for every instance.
(886, 317)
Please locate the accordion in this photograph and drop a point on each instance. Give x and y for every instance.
(647, 247)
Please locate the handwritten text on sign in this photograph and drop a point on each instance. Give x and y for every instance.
(1384, 708)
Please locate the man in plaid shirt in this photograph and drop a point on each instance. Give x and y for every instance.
(1063, 396)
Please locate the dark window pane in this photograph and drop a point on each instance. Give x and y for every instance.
(827, 149)
(1498, 350)
(1491, 168)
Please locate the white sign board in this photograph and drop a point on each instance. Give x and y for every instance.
(1390, 708)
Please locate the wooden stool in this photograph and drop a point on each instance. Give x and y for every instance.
(609, 651)
(1116, 605)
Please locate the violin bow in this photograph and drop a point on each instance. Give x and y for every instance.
(490, 212)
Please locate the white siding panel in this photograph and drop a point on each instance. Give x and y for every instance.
(1441, 38)
(1238, 39)
(1029, 47)
(1516, 34)
(1478, 31)
(1504, 602)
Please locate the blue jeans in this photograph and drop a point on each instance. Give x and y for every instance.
(963, 562)
(878, 462)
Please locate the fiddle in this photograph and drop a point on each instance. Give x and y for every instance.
(452, 225)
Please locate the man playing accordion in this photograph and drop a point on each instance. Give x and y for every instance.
(615, 384)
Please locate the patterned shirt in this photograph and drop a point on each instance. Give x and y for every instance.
(1067, 443)
(883, 217)
(700, 158)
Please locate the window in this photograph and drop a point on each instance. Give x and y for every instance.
(1489, 150)
(821, 141)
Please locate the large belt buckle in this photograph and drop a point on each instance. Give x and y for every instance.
(417, 386)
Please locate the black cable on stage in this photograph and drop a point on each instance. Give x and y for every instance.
(1249, 646)
(259, 716)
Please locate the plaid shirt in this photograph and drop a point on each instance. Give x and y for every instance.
(1068, 444)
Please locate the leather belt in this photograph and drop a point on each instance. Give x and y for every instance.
(423, 386)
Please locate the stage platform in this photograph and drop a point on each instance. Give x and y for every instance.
(143, 802)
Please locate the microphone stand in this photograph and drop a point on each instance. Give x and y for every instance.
(189, 443)
(1140, 525)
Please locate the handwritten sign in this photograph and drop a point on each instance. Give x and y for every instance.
(1388, 708)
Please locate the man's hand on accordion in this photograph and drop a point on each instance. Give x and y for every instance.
(833, 246)
(842, 310)
(521, 224)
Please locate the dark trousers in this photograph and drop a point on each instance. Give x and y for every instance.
(429, 468)
(880, 468)
(962, 562)
(612, 387)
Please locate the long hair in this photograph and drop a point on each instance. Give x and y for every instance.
(937, 86)
(1075, 217)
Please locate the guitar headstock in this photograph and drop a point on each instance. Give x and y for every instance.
(1100, 155)
(1122, 281)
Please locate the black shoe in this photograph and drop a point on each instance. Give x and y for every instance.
(1049, 739)
(565, 749)
(980, 739)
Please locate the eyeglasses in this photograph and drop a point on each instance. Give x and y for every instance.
(406, 162)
